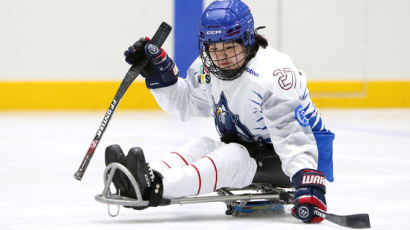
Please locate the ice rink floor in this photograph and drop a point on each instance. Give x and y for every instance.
(40, 151)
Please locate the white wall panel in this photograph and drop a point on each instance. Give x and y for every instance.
(76, 39)
(325, 38)
(265, 13)
(389, 39)
(85, 39)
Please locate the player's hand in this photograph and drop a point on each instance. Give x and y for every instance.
(166, 72)
(136, 53)
(310, 194)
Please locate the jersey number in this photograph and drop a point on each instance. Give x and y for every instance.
(286, 78)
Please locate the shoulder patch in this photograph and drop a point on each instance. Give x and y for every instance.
(300, 116)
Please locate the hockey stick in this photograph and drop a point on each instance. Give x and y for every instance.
(158, 39)
(350, 221)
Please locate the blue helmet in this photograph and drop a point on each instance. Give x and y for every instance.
(226, 21)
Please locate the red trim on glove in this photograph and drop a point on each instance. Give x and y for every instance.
(162, 55)
(312, 200)
(316, 219)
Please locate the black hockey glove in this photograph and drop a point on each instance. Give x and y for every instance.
(136, 54)
(310, 194)
(166, 71)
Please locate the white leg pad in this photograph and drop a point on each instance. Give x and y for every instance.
(186, 154)
(228, 165)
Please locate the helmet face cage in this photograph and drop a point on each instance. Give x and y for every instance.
(225, 24)
(225, 60)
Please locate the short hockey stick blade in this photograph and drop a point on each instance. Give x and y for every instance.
(350, 221)
(158, 39)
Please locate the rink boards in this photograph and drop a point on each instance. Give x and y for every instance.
(90, 95)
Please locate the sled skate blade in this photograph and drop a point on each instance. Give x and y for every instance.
(109, 198)
(256, 208)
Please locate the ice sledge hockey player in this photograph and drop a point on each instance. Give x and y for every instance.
(270, 130)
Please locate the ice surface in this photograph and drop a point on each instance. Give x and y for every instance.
(40, 151)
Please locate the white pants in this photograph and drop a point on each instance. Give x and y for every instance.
(204, 165)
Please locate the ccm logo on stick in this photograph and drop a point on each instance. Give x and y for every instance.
(313, 179)
(213, 32)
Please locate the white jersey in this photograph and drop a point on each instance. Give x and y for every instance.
(269, 100)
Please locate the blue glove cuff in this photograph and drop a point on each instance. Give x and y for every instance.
(157, 81)
(166, 71)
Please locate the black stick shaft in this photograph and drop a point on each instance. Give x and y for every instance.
(158, 39)
(350, 221)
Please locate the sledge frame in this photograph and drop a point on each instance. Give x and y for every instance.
(229, 196)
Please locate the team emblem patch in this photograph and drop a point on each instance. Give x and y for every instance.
(300, 116)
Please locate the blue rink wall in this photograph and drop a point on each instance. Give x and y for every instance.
(68, 54)
(186, 22)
